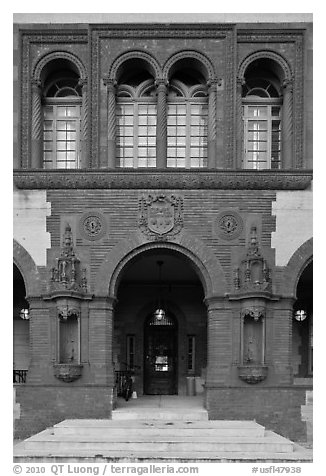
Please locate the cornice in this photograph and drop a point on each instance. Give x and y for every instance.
(158, 179)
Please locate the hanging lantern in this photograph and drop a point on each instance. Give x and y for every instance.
(159, 312)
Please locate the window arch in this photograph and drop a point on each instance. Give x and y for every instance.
(187, 115)
(136, 116)
(262, 102)
(62, 114)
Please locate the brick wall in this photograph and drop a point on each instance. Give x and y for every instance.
(278, 409)
(41, 407)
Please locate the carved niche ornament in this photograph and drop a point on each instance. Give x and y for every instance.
(67, 274)
(160, 215)
(253, 274)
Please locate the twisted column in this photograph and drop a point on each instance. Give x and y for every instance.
(287, 127)
(161, 126)
(239, 123)
(37, 126)
(211, 126)
(84, 125)
(111, 121)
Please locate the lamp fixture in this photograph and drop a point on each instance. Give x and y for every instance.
(159, 313)
(24, 314)
(300, 315)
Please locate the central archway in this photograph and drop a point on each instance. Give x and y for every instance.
(162, 351)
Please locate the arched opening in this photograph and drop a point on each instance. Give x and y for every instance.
(302, 330)
(21, 352)
(136, 115)
(262, 112)
(62, 103)
(160, 325)
(187, 114)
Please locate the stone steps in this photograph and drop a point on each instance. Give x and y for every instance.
(160, 414)
(157, 428)
(157, 440)
(154, 430)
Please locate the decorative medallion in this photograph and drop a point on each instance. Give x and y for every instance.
(92, 225)
(161, 215)
(229, 225)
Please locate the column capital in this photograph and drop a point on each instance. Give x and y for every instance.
(240, 81)
(287, 85)
(36, 85)
(110, 83)
(161, 83)
(82, 82)
(214, 83)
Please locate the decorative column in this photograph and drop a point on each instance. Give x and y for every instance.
(218, 342)
(211, 136)
(239, 124)
(84, 161)
(287, 127)
(161, 126)
(111, 123)
(36, 136)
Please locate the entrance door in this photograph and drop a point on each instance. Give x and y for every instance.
(160, 377)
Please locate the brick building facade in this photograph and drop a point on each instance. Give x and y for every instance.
(163, 166)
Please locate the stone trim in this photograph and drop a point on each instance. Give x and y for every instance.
(160, 180)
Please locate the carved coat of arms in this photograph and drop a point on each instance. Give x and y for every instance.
(160, 215)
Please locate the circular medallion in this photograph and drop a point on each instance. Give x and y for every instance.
(92, 225)
(229, 225)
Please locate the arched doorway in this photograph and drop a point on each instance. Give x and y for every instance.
(162, 351)
(160, 354)
(302, 331)
(21, 353)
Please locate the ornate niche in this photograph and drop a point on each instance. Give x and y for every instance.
(67, 289)
(252, 368)
(253, 289)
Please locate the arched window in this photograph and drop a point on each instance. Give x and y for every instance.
(61, 116)
(187, 118)
(136, 118)
(262, 109)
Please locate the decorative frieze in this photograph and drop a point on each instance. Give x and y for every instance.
(178, 179)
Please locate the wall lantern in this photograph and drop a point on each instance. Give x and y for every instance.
(300, 315)
(24, 314)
